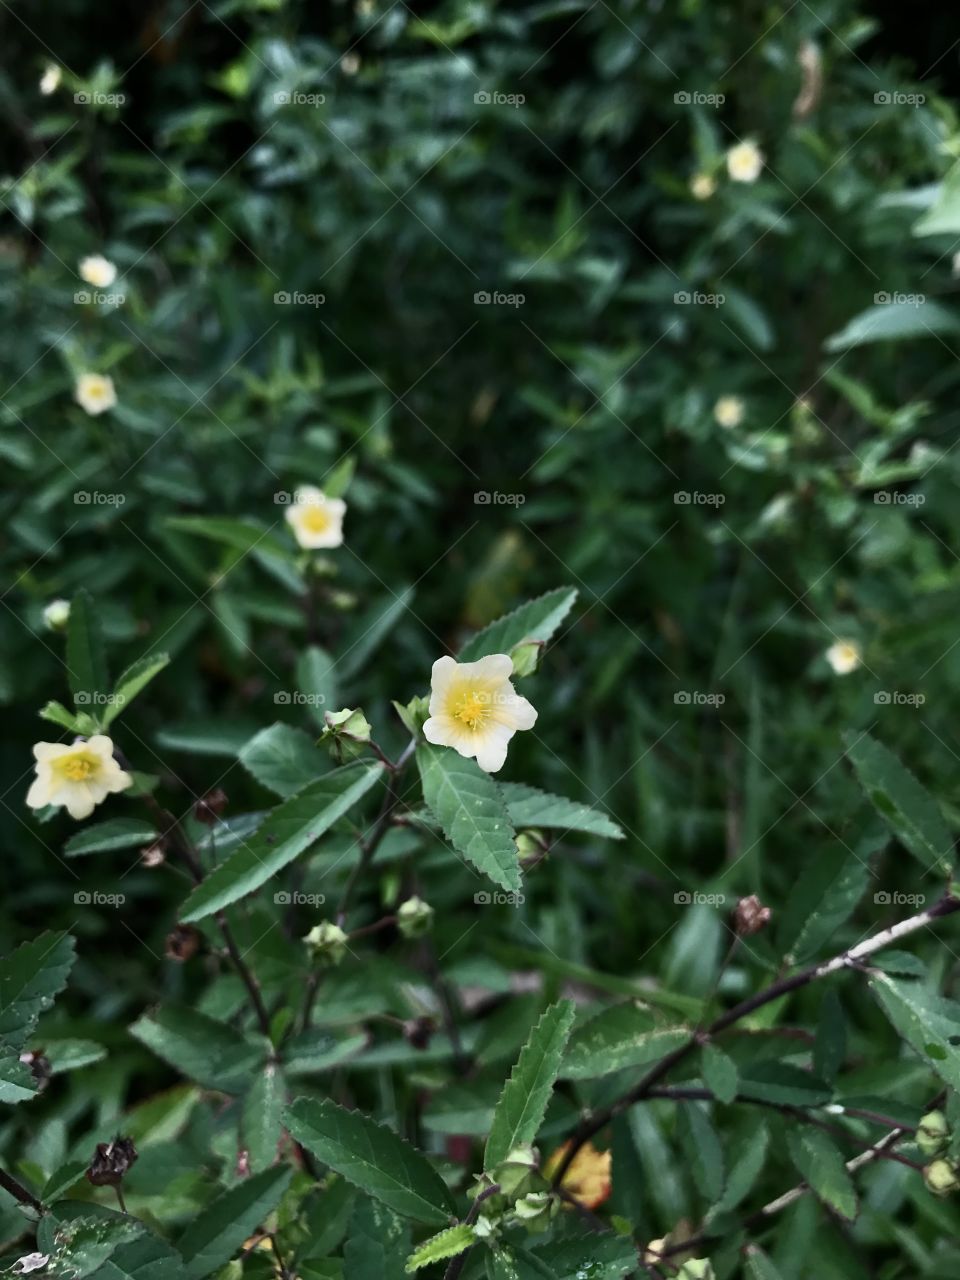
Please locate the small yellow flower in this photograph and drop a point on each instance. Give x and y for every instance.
(50, 80)
(744, 162)
(56, 614)
(844, 656)
(588, 1178)
(475, 710)
(95, 393)
(316, 520)
(76, 776)
(702, 186)
(729, 411)
(98, 271)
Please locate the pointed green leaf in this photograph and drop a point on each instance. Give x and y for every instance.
(57, 713)
(370, 629)
(136, 678)
(825, 895)
(282, 836)
(284, 759)
(446, 1244)
(907, 807)
(86, 666)
(822, 1168)
(468, 806)
(219, 1231)
(625, 1035)
(212, 1053)
(377, 1243)
(701, 1146)
(317, 682)
(30, 978)
(536, 620)
(529, 807)
(759, 1266)
(79, 1238)
(522, 1104)
(893, 320)
(929, 1023)
(261, 1125)
(719, 1073)
(104, 837)
(373, 1158)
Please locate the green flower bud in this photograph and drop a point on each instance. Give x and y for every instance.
(518, 1173)
(530, 844)
(56, 614)
(535, 1209)
(413, 714)
(414, 917)
(485, 1228)
(327, 943)
(933, 1133)
(526, 657)
(348, 732)
(941, 1177)
(697, 1269)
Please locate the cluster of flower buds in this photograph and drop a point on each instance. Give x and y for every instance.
(941, 1175)
(524, 1197)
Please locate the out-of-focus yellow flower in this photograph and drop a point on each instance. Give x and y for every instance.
(316, 520)
(98, 271)
(50, 80)
(844, 656)
(729, 411)
(475, 709)
(745, 162)
(76, 776)
(56, 614)
(95, 393)
(587, 1180)
(702, 186)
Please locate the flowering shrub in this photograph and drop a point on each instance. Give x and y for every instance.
(478, 652)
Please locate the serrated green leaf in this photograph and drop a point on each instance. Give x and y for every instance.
(284, 759)
(30, 978)
(136, 678)
(720, 1073)
(825, 895)
(745, 1168)
(468, 806)
(626, 1035)
(282, 836)
(822, 1168)
(86, 665)
(523, 1102)
(373, 1158)
(377, 1243)
(907, 807)
(536, 620)
(446, 1244)
(529, 807)
(210, 1052)
(610, 1257)
(147, 1258)
(261, 1124)
(79, 1238)
(104, 837)
(219, 1230)
(929, 1023)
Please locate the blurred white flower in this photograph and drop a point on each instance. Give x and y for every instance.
(50, 80)
(98, 271)
(729, 411)
(76, 776)
(30, 1262)
(844, 656)
(95, 393)
(475, 710)
(702, 186)
(744, 162)
(316, 520)
(350, 64)
(56, 614)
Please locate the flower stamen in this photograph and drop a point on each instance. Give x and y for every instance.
(472, 709)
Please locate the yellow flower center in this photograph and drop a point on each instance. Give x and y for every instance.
(316, 518)
(77, 767)
(471, 708)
